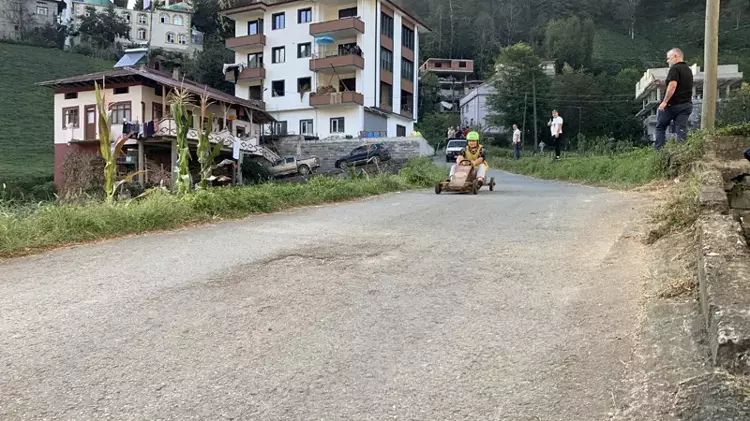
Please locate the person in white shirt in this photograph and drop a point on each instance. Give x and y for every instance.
(556, 130)
(517, 141)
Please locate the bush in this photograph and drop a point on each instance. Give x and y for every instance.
(422, 172)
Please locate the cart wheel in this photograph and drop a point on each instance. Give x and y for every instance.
(438, 188)
(475, 187)
(492, 184)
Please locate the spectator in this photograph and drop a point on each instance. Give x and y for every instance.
(747, 154)
(556, 130)
(678, 100)
(517, 141)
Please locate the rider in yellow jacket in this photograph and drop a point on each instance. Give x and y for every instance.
(474, 152)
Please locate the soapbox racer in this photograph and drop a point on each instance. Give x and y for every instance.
(464, 180)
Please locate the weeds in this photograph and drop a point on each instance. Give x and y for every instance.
(679, 212)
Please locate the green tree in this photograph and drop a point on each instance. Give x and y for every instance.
(102, 28)
(570, 41)
(517, 71)
(428, 94)
(206, 66)
(736, 109)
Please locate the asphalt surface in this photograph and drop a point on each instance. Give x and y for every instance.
(511, 305)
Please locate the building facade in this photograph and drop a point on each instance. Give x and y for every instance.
(475, 110)
(651, 88)
(19, 16)
(454, 81)
(328, 68)
(170, 27)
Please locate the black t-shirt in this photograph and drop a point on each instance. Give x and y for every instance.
(681, 73)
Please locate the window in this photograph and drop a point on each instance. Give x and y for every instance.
(278, 55)
(183, 39)
(164, 18)
(42, 11)
(170, 38)
(158, 91)
(400, 131)
(141, 34)
(143, 19)
(304, 15)
(277, 88)
(126, 16)
(337, 125)
(255, 27)
(386, 95)
(256, 92)
(348, 84)
(122, 91)
(304, 50)
(255, 60)
(407, 37)
(386, 26)
(120, 112)
(348, 13)
(279, 21)
(346, 49)
(386, 59)
(71, 116)
(462, 64)
(71, 95)
(306, 127)
(177, 20)
(407, 69)
(304, 84)
(157, 111)
(279, 127)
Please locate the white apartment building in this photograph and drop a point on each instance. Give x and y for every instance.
(328, 68)
(170, 27)
(475, 110)
(20, 16)
(651, 88)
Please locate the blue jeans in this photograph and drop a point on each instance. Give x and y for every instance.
(677, 113)
(747, 154)
(517, 147)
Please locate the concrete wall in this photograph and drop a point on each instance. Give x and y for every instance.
(330, 151)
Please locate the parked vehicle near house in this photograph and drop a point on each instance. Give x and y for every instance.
(453, 148)
(290, 165)
(366, 154)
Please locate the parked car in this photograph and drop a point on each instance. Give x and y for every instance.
(454, 147)
(366, 154)
(290, 165)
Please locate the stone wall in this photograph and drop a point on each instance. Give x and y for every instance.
(723, 253)
(329, 151)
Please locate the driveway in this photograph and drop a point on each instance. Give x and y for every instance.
(512, 305)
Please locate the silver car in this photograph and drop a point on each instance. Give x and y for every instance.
(454, 147)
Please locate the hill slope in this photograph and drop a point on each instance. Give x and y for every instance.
(26, 112)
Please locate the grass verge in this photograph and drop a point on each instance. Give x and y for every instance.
(679, 212)
(26, 229)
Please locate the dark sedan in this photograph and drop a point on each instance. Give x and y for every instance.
(367, 154)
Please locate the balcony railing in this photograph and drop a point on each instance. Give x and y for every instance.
(337, 60)
(336, 98)
(249, 74)
(247, 41)
(344, 28)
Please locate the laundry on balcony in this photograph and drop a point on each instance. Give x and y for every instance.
(237, 68)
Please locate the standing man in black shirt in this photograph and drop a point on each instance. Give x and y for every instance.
(678, 101)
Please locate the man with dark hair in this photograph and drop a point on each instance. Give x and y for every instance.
(678, 100)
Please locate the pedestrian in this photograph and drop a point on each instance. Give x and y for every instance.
(451, 132)
(678, 100)
(747, 154)
(556, 130)
(517, 141)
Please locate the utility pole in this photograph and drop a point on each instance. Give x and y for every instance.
(523, 130)
(711, 65)
(533, 88)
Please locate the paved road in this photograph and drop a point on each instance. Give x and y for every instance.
(512, 305)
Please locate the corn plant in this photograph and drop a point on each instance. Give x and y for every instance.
(110, 151)
(178, 101)
(206, 154)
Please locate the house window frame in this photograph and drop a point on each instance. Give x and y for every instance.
(164, 18)
(384, 52)
(175, 18)
(274, 50)
(299, 90)
(309, 124)
(127, 109)
(40, 8)
(278, 25)
(309, 49)
(400, 129)
(258, 60)
(305, 12)
(386, 25)
(258, 24)
(407, 37)
(144, 20)
(406, 63)
(283, 91)
(340, 125)
(77, 122)
(140, 31)
(173, 38)
(348, 12)
(182, 39)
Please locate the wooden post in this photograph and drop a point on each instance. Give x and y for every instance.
(711, 65)
(174, 162)
(141, 162)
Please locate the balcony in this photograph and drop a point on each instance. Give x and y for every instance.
(248, 42)
(248, 75)
(336, 98)
(346, 63)
(340, 28)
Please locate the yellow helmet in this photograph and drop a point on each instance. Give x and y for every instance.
(473, 136)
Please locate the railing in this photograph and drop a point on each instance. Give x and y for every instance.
(168, 127)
